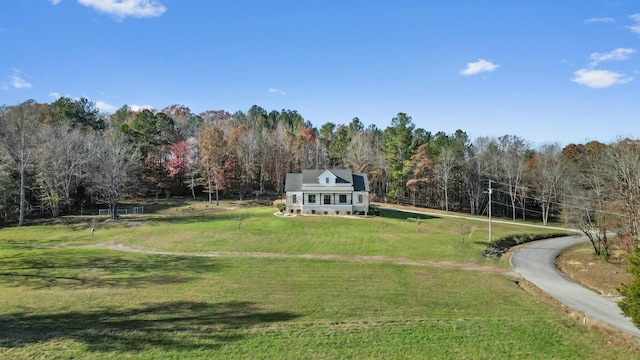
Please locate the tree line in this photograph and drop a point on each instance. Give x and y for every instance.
(63, 157)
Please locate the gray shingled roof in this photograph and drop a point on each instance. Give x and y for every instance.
(311, 176)
(294, 181)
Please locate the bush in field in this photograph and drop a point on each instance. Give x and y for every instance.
(374, 210)
(281, 204)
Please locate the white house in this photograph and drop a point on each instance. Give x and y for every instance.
(327, 190)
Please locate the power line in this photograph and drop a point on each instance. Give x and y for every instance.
(562, 195)
(562, 205)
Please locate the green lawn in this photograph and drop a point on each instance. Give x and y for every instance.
(434, 239)
(66, 295)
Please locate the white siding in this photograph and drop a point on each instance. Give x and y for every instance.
(310, 196)
(309, 205)
(327, 178)
(357, 204)
(294, 200)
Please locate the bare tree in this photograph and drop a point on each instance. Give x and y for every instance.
(212, 146)
(62, 163)
(623, 174)
(473, 174)
(548, 171)
(445, 164)
(263, 157)
(193, 167)
(280, 156)
(580, 212)
(243, 148)
(586, 194)
(483, 163)
(18, 125)
(512, 164)
(7, 187)
(363, 150)
(114, 169)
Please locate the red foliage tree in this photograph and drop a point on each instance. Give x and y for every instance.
(179, 158)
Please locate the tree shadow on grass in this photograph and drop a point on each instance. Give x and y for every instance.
(29, 244)
(81, 268)
(169, 326)
(403, 215)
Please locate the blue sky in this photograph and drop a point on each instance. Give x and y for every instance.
(545, 70)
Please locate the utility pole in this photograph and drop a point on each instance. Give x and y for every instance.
(490, 190)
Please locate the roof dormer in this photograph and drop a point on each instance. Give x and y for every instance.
(327, 178)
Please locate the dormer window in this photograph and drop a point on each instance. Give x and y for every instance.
(326, 180)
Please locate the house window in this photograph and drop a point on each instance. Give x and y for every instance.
(343, 199)
(360, 198)
(312, 199)
(294, 199)
(327, 199)
(326, 180)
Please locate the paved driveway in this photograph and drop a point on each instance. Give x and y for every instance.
(536, 263)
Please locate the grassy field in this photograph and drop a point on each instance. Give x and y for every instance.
(190, 230)
(278, 287)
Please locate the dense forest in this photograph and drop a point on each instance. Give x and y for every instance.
(65, 157)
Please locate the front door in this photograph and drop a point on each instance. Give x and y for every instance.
(327, 200)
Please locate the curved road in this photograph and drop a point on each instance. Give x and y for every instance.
(536, 263)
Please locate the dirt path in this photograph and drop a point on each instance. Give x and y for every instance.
(372, 258)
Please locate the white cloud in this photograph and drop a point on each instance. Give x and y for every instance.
(597, 79)
(276, 91)
(478, 67)
(124, 8)
(16, 81)
(104, 107)
(55, 2)
(599, 20)
(20, 83)
(140, 107)
(635, 27)
(617, 54)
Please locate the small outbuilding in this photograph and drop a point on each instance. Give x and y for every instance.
(330, 191)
